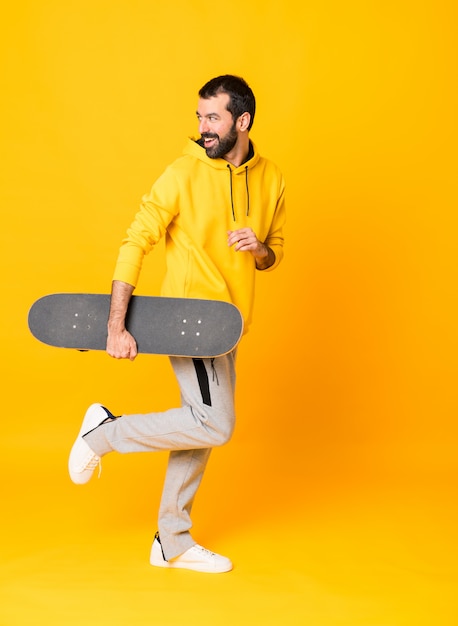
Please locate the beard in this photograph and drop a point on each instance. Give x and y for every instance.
(222, 146)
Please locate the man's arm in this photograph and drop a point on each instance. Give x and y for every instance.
(120, 343)
(245, 239)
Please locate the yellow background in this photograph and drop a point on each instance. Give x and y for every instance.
(336, 498)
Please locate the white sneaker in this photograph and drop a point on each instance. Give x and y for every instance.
(83, 461)
(196, 558)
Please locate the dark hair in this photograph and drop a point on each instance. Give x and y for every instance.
(241, 97)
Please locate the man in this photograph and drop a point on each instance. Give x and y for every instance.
(220, 207)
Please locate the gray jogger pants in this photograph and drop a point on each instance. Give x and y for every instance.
(205, 419)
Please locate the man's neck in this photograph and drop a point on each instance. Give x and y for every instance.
(239, 154)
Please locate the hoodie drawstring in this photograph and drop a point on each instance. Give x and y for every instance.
(247, 191)
(232, 194)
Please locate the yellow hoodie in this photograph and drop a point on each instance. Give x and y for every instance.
(193, 204)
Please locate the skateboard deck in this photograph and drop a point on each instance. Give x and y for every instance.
(173, 326)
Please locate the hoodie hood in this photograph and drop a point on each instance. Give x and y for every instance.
(195, 149)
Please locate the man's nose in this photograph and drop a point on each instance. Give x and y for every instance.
(203, 126)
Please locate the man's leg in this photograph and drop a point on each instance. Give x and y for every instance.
(206, 419)
(184, 474)
(206, 383)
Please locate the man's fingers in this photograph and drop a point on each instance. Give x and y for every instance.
(244, 238)
(122, 346)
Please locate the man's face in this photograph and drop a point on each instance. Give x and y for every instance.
(216, 126)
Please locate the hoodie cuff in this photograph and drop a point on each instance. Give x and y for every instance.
(278, 251)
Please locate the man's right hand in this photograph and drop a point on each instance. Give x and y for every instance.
(121, 345)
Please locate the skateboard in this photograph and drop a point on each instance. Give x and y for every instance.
(172, 326)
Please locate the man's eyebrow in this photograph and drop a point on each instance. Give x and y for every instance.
(207, 115)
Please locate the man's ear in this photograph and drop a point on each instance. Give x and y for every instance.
(244, 121)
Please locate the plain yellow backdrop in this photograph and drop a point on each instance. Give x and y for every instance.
(337, 496)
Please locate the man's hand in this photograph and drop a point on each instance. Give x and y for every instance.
(245, 240)
(121, 345)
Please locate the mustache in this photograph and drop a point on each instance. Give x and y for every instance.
(209, 136)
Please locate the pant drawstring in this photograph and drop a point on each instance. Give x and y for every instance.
(214, 372)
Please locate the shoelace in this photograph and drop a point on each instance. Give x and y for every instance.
(203, 550)
(92, 463)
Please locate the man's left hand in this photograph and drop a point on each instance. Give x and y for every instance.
(245, 240)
